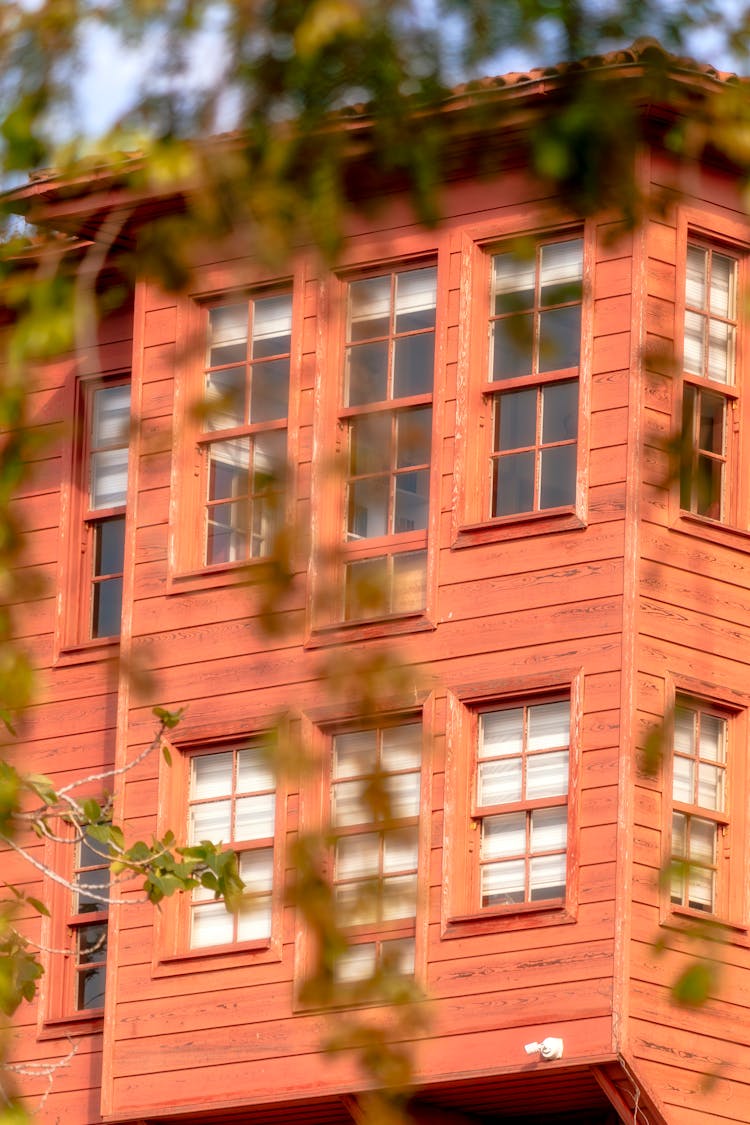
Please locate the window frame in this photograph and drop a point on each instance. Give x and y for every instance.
(319, 730)
(731, 895)
(80, 521)
(327, 622)
(190, 468)
(718, 232)
(477, 245)
(173, 952)
(462, 912)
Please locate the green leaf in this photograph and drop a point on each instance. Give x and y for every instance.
(91, 810)
(38, 905)
(166, 753)
(169, 719)
(694, 986)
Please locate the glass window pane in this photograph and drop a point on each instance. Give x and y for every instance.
(504, 835)
(212, 821)
(367, 589)
(211, 776)
(721, 339)
(409, 582)
(254, 773)
(399, 897)
(411, 501)
(561, 272)
(367, 373)
(501, 732)
(109, 479)
(558, 476)
(106, 608)
(90, 989)
(272, 326)
(679, 835)
(713, 741)
(513, 484)
(513, 279)
(503, 883)
(549, 830)
(547, 877)
(684, 730)
(369, 307)
(370, 444)
(416, 295)
(413, 365)
(711, 787)
(559, 338)
(414, 437)
(499, 782)
(701, 890)
(400, 850)
(403, 790)
(349, 806)
(357, 857)
(683, 783)
(398, 956)
(368, 508)
(226, 539)
(401, 747)
(356, 964)
(515, 419)
(547, 774)
(111, 420)
(227, 334)
(269, 453)
(723, 287)
(702, 840)
(695, 277)
(228, 469)
(91, 943)
(254, 817)
(256, 870)
(709, 487)
(560, 411)
(225, 399)
(355, 753)
(94, 886)
(269, 390)
(694, 343)
(512, 347)
(549, 725)
(211, 925)
(254, 919)
(109, 546)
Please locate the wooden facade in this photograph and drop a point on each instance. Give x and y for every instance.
(612, 592)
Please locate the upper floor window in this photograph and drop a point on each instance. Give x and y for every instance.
(534, 356)
(88, 924)
(699, 806)
(709, 395)
(520, 803)
(387, 418)
(107, 411)
(244, 435)
(232, 800)
(375, 801)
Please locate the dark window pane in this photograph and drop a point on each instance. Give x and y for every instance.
(367, 373)
(512, 347)
(109, 546)
(412, 494)
(711, 436)
(561, 272)
(272, 326)
(559, 412)
(513, 282)
(98, 881)
(92, 943)
(269, 391)
(366, 592)
(107, 608)
(368, 508)
(370, 444)
(515, 419)
(227, 533)
(269, 456)
(414, 437)
(416, 294)
(513, 485)
(414, 363)
(559, 338)
(558, 485)
(90, 992)
(409, 582)
(708, 487)
(369, 307)
(687, 463)
(227, 334)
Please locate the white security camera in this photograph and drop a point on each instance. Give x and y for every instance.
(549, 1049)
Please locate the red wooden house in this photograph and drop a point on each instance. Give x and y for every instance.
(505, 514)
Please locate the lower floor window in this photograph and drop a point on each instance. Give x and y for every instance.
(385, 584)
(88, 923)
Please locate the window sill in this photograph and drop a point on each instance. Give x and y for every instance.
(688, 523)
(86, 652)
(518, 526)
(519, 917)
(213, 957)
(249, 572)
(681, 917)
(345, 632)
(77, 1023)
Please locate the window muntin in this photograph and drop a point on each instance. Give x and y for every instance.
(247, 372)
(232, 801)
(387, 415)
(104, 520)
(535, 339)
(521, 788)
(88, 924)
(709, 354)
(375, 802)
(699, 804)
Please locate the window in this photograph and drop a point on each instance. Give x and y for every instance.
(387, 419)
(244, 435)
(88, 924)
(232, 800)
(532, 388)
(375, 800)
(521, 804)
(699, 805)
(708, 397)
(107, 411)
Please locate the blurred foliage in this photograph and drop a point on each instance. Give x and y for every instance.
(331, 104)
